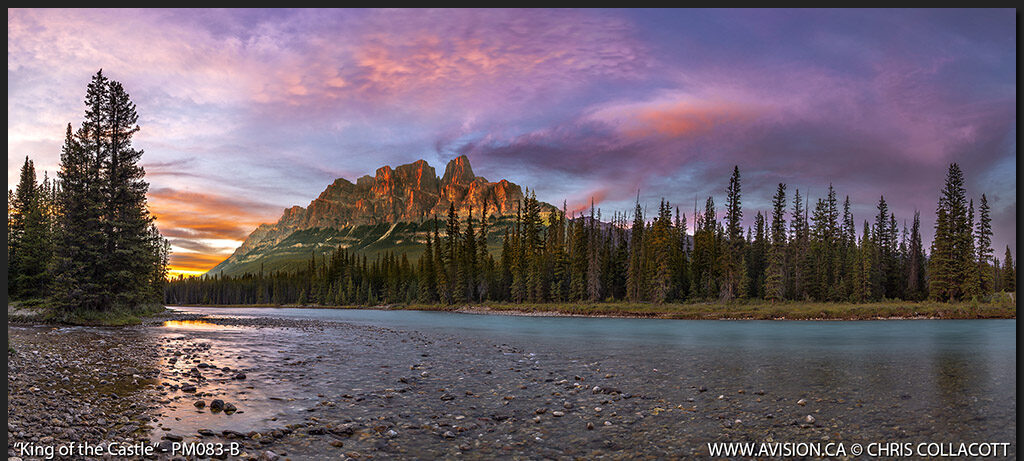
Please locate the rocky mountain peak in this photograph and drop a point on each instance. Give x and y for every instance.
(406, 193)
(458, 171)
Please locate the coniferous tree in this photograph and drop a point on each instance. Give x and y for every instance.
(984, 247)
(798, 249)
(947, 267)
(680, 251)
(971, 284)
(916, 287)
(757, 258)
(1009, 273)
(635, 275)
(20, 205)
(732, 255)
(661, 242)
(79, 235)
(775, 285)
(862, 290)
(32, 211)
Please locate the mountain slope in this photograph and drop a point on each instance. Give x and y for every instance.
(390, 211)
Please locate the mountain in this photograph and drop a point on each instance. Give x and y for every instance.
(392, 210)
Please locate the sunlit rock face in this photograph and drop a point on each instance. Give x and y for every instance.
(406, 193)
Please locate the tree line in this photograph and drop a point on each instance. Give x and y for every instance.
(798, 252)
(86, 240)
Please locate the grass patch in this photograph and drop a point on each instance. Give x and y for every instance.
(755, 310)
(1000, 306)
(113, 317)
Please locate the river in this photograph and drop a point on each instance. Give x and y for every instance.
(429, 384)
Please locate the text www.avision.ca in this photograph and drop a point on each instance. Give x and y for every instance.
(874, 449)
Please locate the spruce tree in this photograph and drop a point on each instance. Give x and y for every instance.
(916, 287)
(732, 257)
(34, 249)
(635, 274)
(1009, 273)
(79, 238)
(775, 286)
(984, 247)
(947, 267)
(20, 205)
(132, 250)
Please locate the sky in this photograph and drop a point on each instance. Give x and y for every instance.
(246, 112)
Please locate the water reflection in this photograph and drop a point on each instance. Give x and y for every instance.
(196, 325)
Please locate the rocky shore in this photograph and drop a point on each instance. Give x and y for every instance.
(273, 388)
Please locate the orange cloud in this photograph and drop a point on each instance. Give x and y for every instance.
(192, 219)
(680, 119)
(193, 263)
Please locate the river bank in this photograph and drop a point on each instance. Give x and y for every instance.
(1005, 308)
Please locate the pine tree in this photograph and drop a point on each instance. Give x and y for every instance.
(774, 282)
(484, 261)
(34, 249)
(971, 283)
(984, 247)
(732, 263)
(661, 242)
(949, 259)
(635, 274)
(20, 205)
(428, 274)
(132, 250)
(1009, 273)
(79, 238)
(680, 251)
(916, 287)
(757, 258)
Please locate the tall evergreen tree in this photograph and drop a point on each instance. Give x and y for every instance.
(1009, 273)
(984, 247)
(949, 259)
(19, 207)
(775, 285)
(635, 275)
(732, 263)
(916, 287)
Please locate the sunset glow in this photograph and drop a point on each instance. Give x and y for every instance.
(247, 112)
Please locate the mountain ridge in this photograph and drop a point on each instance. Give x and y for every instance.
(408, 193)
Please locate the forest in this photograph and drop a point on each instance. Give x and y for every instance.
(85, 241)
(799, 252)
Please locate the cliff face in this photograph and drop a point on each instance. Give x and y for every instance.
(407, 193)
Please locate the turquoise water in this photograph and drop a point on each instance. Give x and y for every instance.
(989, 338)
(873, 381)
